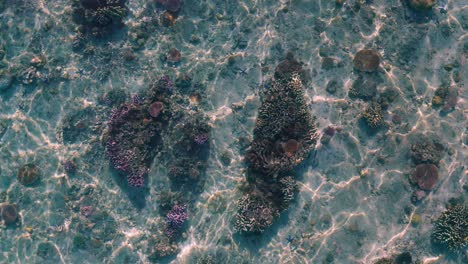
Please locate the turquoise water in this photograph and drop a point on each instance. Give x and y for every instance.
(355, 201)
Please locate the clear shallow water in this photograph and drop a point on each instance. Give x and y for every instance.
(354, 203)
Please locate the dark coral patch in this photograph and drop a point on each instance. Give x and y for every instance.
(28, 174)
(427, 150)
(155, 108)
(425, 176)
(366, 60)
(9, 214)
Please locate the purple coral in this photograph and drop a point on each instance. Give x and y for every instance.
(201, 139)
(175, 219)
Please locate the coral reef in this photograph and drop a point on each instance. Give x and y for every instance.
(451, 228)
(284, 135)
(28, 174)
(366, 60)
(98, 17)
(373, 115)
(427, 149)
(425, 176)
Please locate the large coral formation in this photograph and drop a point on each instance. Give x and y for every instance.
(284, 135)
(451, 228)
(134, 134)
(132, 140)
(99, 16)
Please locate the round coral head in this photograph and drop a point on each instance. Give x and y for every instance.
(291, 146)
(426, 176)
(9, 214)
(28, 174)
(174, 55)
(155, 109)
(366, 60)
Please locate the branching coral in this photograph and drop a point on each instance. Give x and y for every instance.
(451, 228)
(254, 214)
(373, 115)
(175, 219)
(132, 140)
(284, 135)
(97, 15)
(283, 117)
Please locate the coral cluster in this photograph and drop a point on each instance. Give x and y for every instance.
(446, 97)
(98, 16)
(373, 115)
(284, 135)
(130, 146)
(283, 117)
(175, 219)
(134, 132)
(451, 228)
(190, 146)
(427, 150)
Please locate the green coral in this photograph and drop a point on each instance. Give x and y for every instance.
(451, 228)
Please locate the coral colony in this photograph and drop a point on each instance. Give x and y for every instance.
(175, 219)
(284, 135)
(451, 228)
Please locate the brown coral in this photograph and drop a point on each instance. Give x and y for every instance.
(425, 176)
(366, 60)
